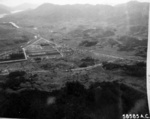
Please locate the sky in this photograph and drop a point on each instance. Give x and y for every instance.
(61, 2)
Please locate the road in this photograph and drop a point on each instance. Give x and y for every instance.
(40, 71)
(15, 25)
(87, 68)
(106, 55)
(115, 57)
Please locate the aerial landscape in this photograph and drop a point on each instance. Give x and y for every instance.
(74, 61)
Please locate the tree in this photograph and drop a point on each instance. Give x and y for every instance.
(15, 78)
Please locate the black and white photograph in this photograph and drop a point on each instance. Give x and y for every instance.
(74, 59)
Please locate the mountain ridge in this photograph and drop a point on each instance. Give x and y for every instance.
(4, 9)
(128, 13)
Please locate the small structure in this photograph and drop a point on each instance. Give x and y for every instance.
(13, 56)
(42, 48)
(38, 48)
(4, 72)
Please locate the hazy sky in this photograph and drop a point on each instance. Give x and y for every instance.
(111, 2)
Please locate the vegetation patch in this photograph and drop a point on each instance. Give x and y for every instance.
(87, 43)
(74, 101)
(138, 69)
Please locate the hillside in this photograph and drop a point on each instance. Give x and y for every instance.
(24, 6)
(4, 9)
(12, 37)
(120, 30)
(76, 61)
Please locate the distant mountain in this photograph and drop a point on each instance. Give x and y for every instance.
(4, 9)
(24, 6)
(131, 13)
(55, 13)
